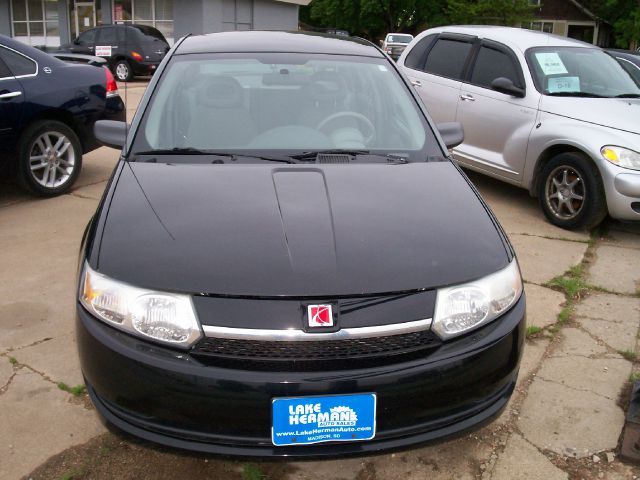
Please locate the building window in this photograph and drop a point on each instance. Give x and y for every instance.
(237, 15)
(35, 22)
(546, 27)
(155, 13)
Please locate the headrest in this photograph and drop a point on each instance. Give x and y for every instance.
(220, 92)
(327, 86)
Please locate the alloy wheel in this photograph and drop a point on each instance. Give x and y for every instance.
(122, 71)
(565, 192)
(52, 159)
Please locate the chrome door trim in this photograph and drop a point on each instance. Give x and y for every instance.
(300, 335)
(4, 96)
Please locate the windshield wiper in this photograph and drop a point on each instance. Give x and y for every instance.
(313, 155)
(196, 151)
(628, 95)
(576, 94)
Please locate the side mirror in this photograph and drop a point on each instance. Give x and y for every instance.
(76, 41)
(506, 86)
(111, 133)
(452, 133)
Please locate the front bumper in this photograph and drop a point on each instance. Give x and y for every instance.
(169, 398)
(622, 187)
(145, 68)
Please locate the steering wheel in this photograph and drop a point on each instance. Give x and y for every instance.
(368, 136)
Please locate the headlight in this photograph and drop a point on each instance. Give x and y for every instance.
(623, 157)
(462, 308)
(164, 317)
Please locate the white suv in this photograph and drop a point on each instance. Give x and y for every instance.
(556, 116)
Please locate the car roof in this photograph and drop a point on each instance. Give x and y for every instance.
(519, 38)
(280, 42)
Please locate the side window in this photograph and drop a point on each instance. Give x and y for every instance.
(416, 57)
(4, 71)
(447, 58)
(18, 64)
(107, 36)
(492, 64)
(88, 37)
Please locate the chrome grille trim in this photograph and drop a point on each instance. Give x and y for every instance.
(301, 336)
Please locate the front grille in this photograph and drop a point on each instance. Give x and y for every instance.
(315, 355)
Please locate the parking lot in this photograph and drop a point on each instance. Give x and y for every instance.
(564, 421)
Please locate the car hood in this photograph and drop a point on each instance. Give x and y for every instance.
(266, 230)
(618, 113)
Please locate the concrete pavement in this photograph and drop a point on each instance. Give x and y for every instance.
(564, 420)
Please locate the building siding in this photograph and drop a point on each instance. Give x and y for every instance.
(270, 15)
(5, 18)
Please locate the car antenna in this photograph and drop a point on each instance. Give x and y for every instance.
(126, 110)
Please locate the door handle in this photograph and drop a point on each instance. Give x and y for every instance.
(8, 95)
(466, 96)
(416, 83)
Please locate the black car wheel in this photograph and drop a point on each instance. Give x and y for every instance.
(123, 71)
(571, 192)
(49, 158)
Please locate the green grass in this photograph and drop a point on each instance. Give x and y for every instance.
(634, 377)
(76, 391)
(13, 361)
(628, 355)
(572, 286)
(251, 471)
(533, 330)
(565, 314)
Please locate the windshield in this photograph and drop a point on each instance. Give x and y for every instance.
(578, 71)
(399, 38)
(284, 103)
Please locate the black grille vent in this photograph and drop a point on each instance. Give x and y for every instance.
(314, 355)
(333, 158)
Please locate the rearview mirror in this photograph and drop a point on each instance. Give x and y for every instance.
(111, 133)
(506, 86)
(452, 133)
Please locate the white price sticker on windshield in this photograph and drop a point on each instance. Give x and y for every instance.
(551, 63)
(563, 84)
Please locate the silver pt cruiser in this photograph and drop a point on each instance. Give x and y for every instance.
(556, 116)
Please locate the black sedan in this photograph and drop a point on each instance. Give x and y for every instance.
(630, 61)
(47, 111)
(286, 261)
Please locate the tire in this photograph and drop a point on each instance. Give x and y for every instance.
(49, 158)
(123, 71)
(570, 192)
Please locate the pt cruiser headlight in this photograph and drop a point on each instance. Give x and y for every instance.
(462, 308)
(623, 157)
(164, 317)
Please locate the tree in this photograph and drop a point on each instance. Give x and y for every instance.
(494, 12)
(374, 18)
(624, 15)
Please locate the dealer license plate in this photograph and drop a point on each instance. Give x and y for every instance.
(328, 418)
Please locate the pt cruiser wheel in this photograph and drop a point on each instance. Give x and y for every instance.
(50, 158)
(123, 71)
(571, 193)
